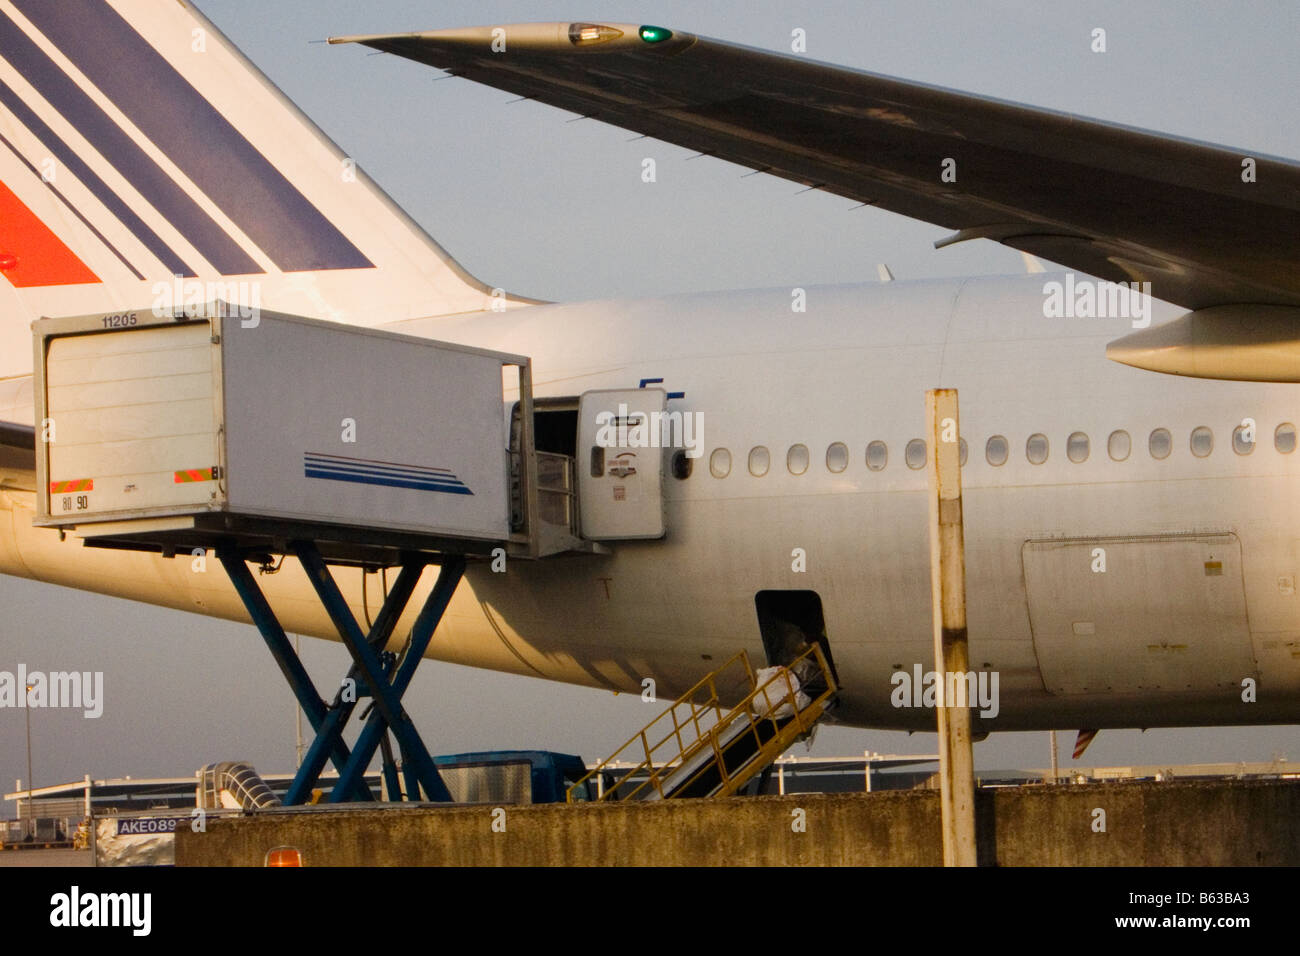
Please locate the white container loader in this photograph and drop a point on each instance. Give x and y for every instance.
(169, 430)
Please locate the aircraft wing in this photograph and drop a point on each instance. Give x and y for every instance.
(1120, 203)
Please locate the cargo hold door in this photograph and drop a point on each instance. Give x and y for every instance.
(620, 463)
(1149, 614)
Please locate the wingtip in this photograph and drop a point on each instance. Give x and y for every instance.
(555, 36)
(366, 38)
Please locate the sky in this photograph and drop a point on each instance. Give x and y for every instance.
(506, 188)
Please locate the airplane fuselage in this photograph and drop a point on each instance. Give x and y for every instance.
(1144, 591)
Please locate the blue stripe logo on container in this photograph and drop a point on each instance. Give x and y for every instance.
(366, 471)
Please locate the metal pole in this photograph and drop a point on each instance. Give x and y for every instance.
(297, 709)
(1055, 766)
(951, 656)
(31, 816)
(91, 825)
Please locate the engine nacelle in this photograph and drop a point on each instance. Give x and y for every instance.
(1245, 343)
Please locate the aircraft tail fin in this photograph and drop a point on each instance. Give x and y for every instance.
(143, 157)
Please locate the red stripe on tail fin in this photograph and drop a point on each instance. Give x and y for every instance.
(30, 254)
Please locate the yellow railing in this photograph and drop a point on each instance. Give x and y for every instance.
(700, 728)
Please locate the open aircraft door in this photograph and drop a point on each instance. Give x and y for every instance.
(620, 463)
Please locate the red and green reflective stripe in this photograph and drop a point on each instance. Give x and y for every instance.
(194, 474)
(68, 487)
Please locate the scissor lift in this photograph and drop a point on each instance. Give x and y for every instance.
(206, 431)
(375, 672)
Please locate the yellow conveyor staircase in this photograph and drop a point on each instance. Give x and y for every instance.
(702, 747)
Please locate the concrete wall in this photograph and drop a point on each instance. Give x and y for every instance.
(1228, 823)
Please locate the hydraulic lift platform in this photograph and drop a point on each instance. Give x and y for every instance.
(204, 431)
(375, 672)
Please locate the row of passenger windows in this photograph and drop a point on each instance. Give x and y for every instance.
(997, 450)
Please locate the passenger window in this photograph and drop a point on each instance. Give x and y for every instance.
(682, 465)
(877, 455)
(914, 454)
(837, 457)
(962, 451)
(1119, 445)
(996, 450)
(1284, 438)
(1160, 444)
(796, 459)
(1239, 443)
(759, 461)
(1036, 449)
(1077, 447)
(720, 463)
(1202, 441)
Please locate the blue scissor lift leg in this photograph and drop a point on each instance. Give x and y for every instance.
(373, 672)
